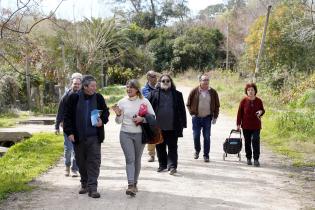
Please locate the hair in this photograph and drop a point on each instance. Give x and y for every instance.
(249, 85)
(201, 75)
(151, 72)
(76, 75)
(86, 80)
(133, 83)
(166, 75)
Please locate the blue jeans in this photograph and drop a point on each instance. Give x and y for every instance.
(69, 154)
(203, 123)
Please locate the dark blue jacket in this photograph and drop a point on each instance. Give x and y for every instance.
(61, 109)
(146, 90)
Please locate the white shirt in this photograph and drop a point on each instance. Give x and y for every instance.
(129, 109)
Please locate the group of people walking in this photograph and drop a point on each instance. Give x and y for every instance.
(165, 103)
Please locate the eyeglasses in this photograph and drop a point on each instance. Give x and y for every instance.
(205, 80)
(165, 81)
(152, 76)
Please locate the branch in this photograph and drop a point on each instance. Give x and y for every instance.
(14, 68)
(34, 24)
(4, 24)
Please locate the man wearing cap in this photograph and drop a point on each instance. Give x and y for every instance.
(87, 138)
(150, 86)
(69, 155)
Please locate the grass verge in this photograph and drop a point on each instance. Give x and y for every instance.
(11, 118)
(113, 94)
(26, 160)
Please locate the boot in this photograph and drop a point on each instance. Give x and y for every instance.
(130, 190)
(135, 188)
(67, 173)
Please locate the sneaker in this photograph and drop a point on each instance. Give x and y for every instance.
(94, 194)
(206, 159)
(196, 155)
(130, 190)
(256, 163)
(249, 162)
(172, 171)
(160, 169)
(151, 159)
(83, 190)
(67, 171)
(75, 174)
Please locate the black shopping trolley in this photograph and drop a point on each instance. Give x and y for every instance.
(233, 145)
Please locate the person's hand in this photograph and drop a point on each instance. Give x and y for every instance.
(138, 119)
(213, 121)
(71, 138)
(116, 110)
(57, 131)
(99, 122)
(259, 113)
(238, 127)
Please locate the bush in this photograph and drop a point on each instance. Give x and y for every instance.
(120, 75)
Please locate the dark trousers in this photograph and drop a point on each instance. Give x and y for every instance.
(168, 159)
(203, 123)
(88, 157)
(252, 139)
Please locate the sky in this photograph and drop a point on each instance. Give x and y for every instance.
(78, 9)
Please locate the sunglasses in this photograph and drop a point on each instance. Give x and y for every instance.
(205, 80)
(165, 81)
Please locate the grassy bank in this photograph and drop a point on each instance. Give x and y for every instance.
(26, 160)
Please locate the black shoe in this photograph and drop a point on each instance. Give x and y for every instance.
(83, 190)
(94, 194)
(249, 162)
(256, 163)
(172, 171)
(206, 159)
(160, 169)
(196, 155)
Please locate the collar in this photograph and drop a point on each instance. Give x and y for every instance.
(133, 98)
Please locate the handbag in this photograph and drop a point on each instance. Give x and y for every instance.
(151, 133)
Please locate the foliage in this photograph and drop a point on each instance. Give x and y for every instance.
(120, 75)
(26, 160)
(198, 48)
(285, 51)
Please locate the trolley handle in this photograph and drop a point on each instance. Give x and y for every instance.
(236, 131)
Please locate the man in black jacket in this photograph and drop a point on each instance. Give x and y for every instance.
(68, 146)
(169, 107)
(87, 138)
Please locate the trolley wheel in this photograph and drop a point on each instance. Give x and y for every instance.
(224, 155)
(239, 157)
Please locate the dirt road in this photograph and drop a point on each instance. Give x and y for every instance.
(218, 184)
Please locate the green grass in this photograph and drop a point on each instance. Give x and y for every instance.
(11, 118)
(113, 94)
(26, 160)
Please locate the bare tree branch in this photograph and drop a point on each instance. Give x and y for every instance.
(9, 18)
(34, 24)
